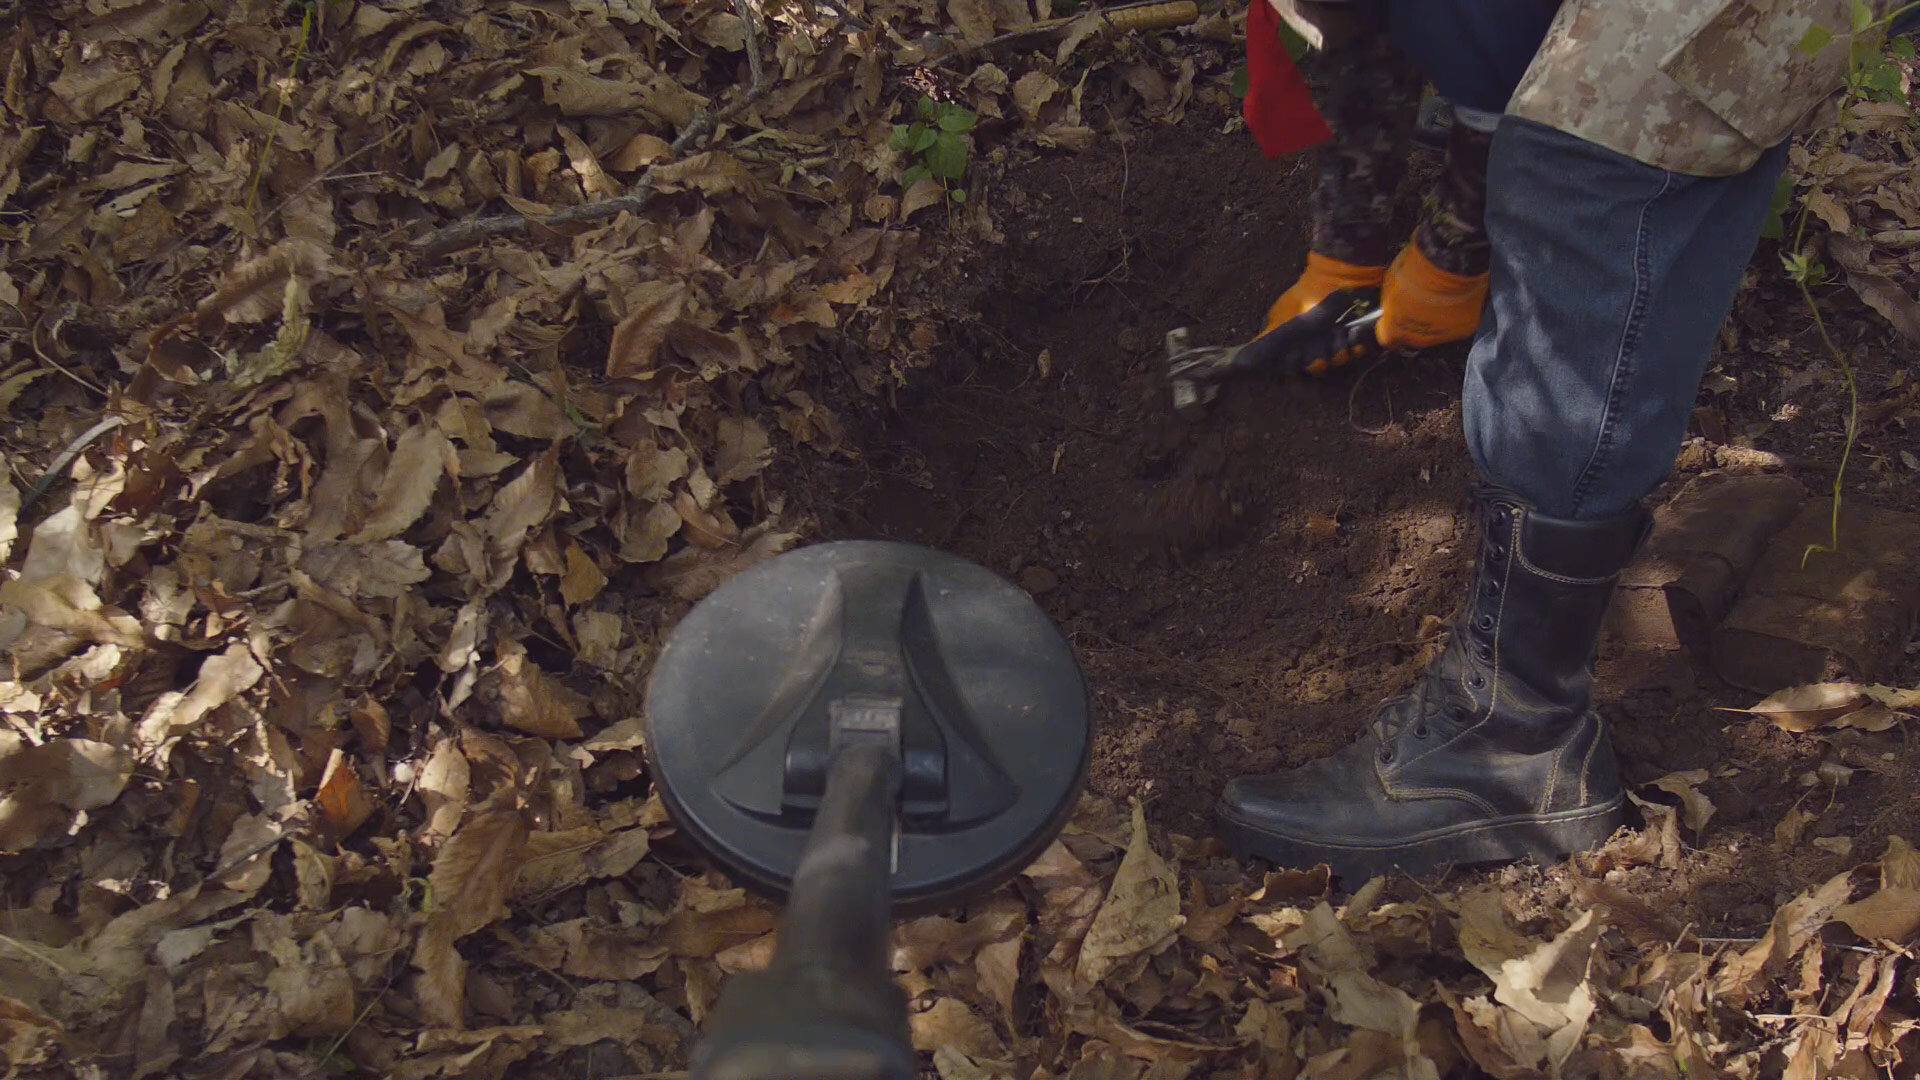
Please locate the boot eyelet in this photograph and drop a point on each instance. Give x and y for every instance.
(1491, 588)
(1499, 551)
(1386, 755)
(1484, 623)
(1477, 681)
(1421, 731)
(1484, 653)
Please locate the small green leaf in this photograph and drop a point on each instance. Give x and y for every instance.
(912, 176)
(958, 194)
(955, 118)
(1296, 45)
(948, 158)
(923, 138)
(902, 138)
(1883, 81)
(1902, 47)
(1240, 82)
(1862, 15)
(925, 106)
(1818, 37)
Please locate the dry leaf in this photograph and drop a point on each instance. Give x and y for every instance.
(583, 579)
(1742, 976)
(556, 861)
(1321, 529)
(533, 702)
(470, 879)
(924, 193)
(710, 173)
(1032, 93)
(638, 152)
(521, 409)
(43, 787)
(421, 457)
(1140, 915)
(974, 18)
(1893, 912)
(1829, 210)
(743, 450)
(444, 783)
(1838, 704)
(652, 307)
(365, 571)
(221, 679)
(651, 471)
(1697, 807)
(695, 572)
(344, 801)
(949, 1022)
(1788, 831)
(9, 507)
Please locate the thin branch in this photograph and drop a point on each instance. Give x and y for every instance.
(1176, 14)
(67, 457)
(847, 17)
(454, 237)
(745, 11)
(33, 339)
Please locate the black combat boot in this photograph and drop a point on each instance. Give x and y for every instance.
(1496, 753)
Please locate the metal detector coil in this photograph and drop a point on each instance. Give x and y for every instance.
(954, 676)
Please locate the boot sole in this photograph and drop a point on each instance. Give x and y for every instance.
(1546, 838)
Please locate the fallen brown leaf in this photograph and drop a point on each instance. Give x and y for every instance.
(1140, 915)
(471, 877)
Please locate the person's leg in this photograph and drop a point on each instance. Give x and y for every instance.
(1370, 100)
(1369, 95)
(1474, 52)
(1610, 281)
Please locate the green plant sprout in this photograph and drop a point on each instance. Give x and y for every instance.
(1872, 75)
(309, 9)
(936, 139)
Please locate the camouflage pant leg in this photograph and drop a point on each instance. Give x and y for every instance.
(1453, 233)
(1370, 103)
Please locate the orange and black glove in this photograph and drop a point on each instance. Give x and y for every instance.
(1304, 326)
(1422, 305)
(1316, 326)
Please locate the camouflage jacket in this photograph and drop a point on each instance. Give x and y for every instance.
(1695, 86)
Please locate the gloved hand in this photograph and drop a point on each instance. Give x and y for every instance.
(1303, 326)
(1422, 305)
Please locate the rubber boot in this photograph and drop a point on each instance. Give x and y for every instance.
(1496, 753)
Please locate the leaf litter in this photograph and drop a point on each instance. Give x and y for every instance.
(320, 753)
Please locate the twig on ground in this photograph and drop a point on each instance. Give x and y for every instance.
(33, 339)
(1354, 393)
(703, 125)
(1135, 17)
(60, 464)
(754, 68)
(847, 17)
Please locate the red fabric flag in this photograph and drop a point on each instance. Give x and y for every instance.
(1279, 107)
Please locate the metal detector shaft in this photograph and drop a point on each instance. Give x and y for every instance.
(826, 1007)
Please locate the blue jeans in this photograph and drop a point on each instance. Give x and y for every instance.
(1610, 281)
(1610, 278)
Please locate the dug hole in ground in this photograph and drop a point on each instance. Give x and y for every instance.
(322, 750)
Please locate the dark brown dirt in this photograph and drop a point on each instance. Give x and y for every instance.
(1244, 586)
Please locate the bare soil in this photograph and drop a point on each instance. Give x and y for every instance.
(1243, 587)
